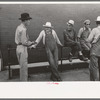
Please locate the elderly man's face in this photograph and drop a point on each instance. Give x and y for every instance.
(48, 29)
(69, 27)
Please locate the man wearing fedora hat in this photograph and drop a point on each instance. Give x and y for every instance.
(83, 34)
(50, 39)
(22, 41)
(70, 40)
(94, 39)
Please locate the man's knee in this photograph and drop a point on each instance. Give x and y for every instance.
(77, 43)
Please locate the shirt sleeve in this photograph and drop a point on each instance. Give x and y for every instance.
(91, 36)
(56, 37)
(39, 37)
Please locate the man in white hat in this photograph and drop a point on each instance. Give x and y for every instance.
(50, 39)
(83, 34)
(22, 41)
(94, 39)
(70, 40)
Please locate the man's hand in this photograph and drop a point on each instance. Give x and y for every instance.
(33, 42)
(32, 46)
(61, 45)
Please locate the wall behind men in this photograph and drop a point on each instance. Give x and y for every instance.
(57, 14)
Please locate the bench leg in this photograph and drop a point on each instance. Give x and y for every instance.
(9, 72)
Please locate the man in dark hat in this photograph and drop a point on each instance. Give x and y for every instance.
(94, 39)
(22, 41)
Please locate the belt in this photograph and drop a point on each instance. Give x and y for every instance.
(19, 44)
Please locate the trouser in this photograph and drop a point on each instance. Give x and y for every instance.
(75, 47)
(85, 45)
(22, 59)
(86, 53)
(93, 68)
(53, 61)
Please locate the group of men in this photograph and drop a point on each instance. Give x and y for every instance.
(86, 43)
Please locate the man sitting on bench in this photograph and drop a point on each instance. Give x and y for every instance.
(70, 40)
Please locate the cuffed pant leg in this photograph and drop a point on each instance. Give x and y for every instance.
(23, 69)
(54, 70)
(56, 57)
(93, 68)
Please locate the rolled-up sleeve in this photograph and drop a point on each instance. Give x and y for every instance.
(39, 37)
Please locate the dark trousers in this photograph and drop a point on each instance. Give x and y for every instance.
(53, 61)
(94, 68)
(75, 47)
(86, 53)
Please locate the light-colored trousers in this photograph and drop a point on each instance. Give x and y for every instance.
(94, 68)
(22, 56)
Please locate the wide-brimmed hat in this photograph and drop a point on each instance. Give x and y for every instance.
(25, 16)
(98, 19)
(87, 21)
(70, 22)
(48, 24)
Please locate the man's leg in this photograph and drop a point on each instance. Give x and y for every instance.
(99, 67)
(56, 57)
(85, 46)
(23, 69)
(72, 51)
(86, 49)
(93, 68)
(54, 70)
(79, 50)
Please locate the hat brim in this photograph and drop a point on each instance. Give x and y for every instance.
(48, 26)
(69, 24)
(25, 18)
(97, 20)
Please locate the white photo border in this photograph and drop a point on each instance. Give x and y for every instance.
(44, 90)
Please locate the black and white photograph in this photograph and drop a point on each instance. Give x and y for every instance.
(50, 42)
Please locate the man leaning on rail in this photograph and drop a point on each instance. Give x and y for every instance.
(50, 40)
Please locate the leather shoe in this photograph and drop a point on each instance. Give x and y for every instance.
(70, 57)
(81, 57)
